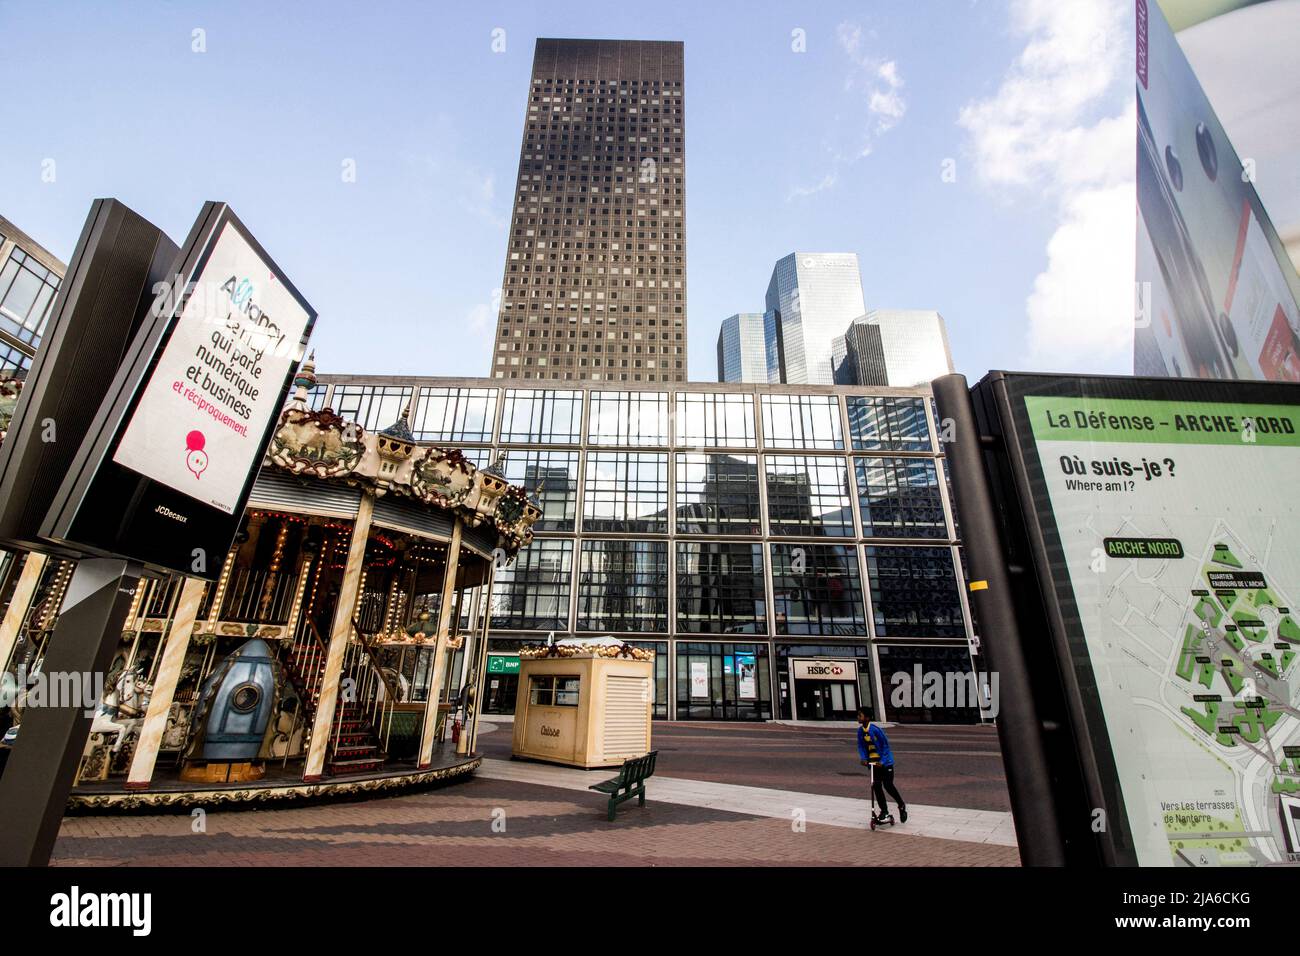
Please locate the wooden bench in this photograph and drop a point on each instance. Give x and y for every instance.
(629, 783)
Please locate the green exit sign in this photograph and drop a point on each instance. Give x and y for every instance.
(502, 664)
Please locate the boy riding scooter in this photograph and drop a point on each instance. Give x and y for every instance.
(875, 752)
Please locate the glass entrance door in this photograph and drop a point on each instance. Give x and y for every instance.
(825, 700)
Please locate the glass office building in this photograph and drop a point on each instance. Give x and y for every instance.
(787, 550)
(811, 299)
(29, 277)
(742, 349)
(901, 347)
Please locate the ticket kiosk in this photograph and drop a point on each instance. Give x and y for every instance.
(584, 702)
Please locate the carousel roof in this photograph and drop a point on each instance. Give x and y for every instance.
(320, 445)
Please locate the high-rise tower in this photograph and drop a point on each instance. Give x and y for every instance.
(595, 275)
(811, 299)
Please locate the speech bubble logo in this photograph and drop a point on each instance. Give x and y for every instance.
(197, 459)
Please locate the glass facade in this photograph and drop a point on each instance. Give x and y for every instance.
(720, 588)
(881, 423)
(715, 420)
(817, 589)
(899, 498)
(742, 349)
(26, 296)
(628, 419)
(447, 415)
(532, 593)
(743, 532)
(718, 494)
(556, 473)
(914, 592)
(808, 495)
(626, 492)
(623, 586)
(543, 416)
(802, 421)
(723, 681)
(811, 299)
(373, 407)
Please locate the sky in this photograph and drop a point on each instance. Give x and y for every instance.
(977, 156)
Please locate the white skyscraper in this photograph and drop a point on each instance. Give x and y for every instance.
(811, 299)
(742, 353)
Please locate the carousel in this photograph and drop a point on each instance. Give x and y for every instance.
(340, 651)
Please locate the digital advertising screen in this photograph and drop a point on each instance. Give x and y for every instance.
(198, 426)
(165, 470)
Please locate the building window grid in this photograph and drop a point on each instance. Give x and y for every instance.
(455, 415)
(556, 472)
(541, 598)
(914, 592)
(373, 407)
(808, 495)
(817, 589)
(628, 419)
(899, 498)
(888, 423)
(623, 586)
(715, 420)
(626, 492)
(720, 588)
(542, 416)
(802, 421)
(717, 495)
(532, 593)
(27, 291)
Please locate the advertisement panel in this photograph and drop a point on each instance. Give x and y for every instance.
(1168, 535)
(699, 680)
(1216, 293)
(166, 466)
(747, 676)
(232, 345)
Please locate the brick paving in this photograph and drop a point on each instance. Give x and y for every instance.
(454, 826)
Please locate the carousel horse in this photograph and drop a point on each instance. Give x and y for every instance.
(399, 680)
(123, 707)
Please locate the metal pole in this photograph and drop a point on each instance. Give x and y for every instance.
(1029, 781)
(35, 786)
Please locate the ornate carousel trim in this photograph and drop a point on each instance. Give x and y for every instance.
(341, 789)
(320, 444)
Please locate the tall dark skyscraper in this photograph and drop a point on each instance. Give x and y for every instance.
(595, 274)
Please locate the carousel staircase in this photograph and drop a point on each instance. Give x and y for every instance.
(354, 745)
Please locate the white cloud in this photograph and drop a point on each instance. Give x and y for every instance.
(1060, 127)
(827, 181)
(877, 106)
(1081, 307)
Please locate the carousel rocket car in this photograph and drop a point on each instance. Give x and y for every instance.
(235, 706)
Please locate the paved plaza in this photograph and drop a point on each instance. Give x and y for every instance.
(700, 810)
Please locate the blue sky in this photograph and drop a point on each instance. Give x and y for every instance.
(838, 148)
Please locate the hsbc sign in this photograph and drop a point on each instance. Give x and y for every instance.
(825, 670)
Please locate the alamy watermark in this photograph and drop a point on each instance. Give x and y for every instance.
(83, 689)
(947, 689)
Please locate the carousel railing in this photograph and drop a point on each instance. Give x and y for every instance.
(366, 697)
(259, 596)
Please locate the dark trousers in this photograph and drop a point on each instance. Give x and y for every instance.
(882, 779)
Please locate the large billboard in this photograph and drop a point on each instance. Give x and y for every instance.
(1216, 293)
(165, 470)
(235, 341)
(1165, 531)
